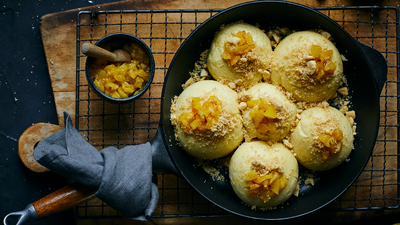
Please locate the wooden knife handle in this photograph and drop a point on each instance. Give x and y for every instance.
(97, 52)
(63, 199)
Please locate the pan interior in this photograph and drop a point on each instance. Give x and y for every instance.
(328, 185)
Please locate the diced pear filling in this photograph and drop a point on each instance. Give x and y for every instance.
(331, 143)
(203, 115)
(265, 186)
(234, 51)
(121, 80)
(263, 115)
(324, 66)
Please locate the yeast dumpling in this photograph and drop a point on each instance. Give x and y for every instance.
(263, 175)
(269, 114)
(323, 139)
(240, 53)
(207, 120)
(308, 65)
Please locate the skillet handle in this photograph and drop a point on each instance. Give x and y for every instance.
(161, 161)
(378, 65)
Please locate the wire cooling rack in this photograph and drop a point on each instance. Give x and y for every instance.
(104, 124)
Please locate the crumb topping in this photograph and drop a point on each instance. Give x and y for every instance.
(276, 34)
(200, 71)
(310, 65)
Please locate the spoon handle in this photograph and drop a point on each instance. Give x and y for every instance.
(63, 199)
(97, 52)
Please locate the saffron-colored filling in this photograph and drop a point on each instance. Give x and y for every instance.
(331, 143)
(263, 115)
(324, 66)
(203, 115)
(234, 51)
(121, 80)
(265, 186)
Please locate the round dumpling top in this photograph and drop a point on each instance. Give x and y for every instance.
(262, 175)
(268, 115)
(308, 65)
(323, 138)
(207, 120)
(240, 53)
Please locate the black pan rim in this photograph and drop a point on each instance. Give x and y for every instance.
(221, 14)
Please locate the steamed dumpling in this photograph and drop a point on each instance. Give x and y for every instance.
(307, 65)
(207, 120)
(323, 139)
(240, 53)
(269, 114)
(262, 175)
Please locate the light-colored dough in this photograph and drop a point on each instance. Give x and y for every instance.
(290, 68)
(221, 139)
(220, 69)
(286, 112)
(305, 138)
(240, 165)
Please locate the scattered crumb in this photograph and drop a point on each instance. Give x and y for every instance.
(199, 73)
(344, 91)
(309, 181)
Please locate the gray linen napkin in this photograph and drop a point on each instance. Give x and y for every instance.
(123, 177)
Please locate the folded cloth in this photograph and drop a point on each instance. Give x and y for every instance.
(123, 177)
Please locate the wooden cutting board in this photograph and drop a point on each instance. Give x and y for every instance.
(58, 32)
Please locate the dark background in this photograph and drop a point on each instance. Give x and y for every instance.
(26, 98)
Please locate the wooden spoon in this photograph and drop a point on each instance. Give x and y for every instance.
(118, 55)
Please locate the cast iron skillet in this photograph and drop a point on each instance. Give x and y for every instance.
(364, 87)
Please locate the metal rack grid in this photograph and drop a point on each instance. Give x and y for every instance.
(104, 124)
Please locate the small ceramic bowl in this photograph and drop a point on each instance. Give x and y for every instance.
(117, 41)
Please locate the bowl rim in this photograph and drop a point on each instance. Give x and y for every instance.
(145, 48)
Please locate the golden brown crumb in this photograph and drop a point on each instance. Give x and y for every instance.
(250, 63)
(343, 109)
(276, 34)
(199, 73)
(325, 34)
(242, 106)
(351, 115)
(214, 173)
(214, 167)
(309, 181)
(263, 167)
(344, 91)
(244, 96)
(287, 143)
